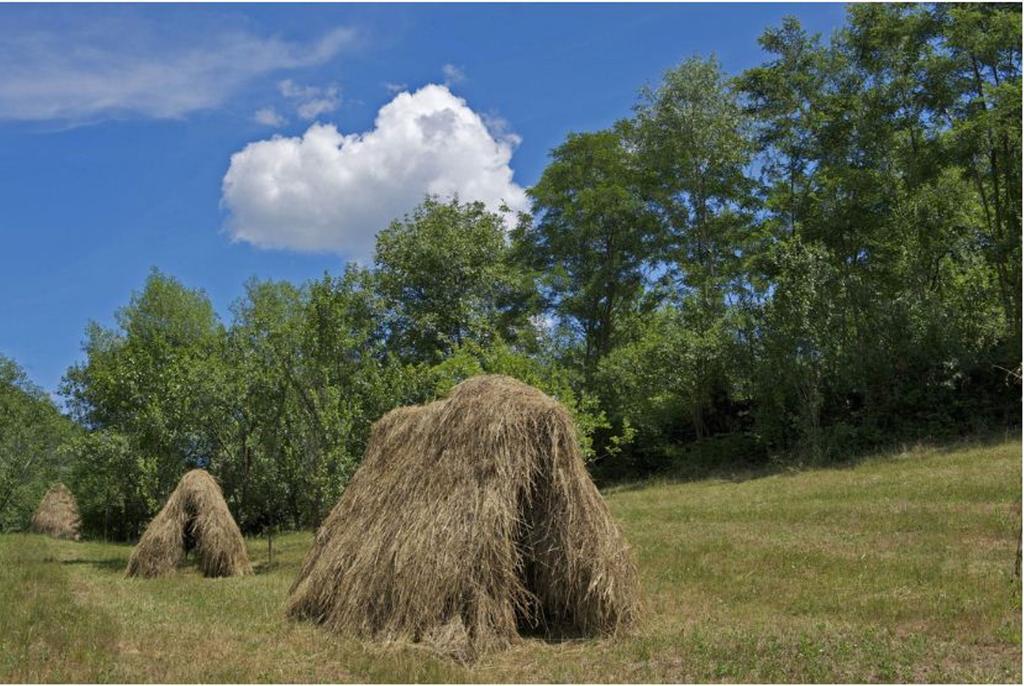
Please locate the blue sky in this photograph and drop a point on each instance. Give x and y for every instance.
(220, 142)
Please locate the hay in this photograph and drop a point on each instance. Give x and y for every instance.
(195, 516)
(57, 514)
(470, 520)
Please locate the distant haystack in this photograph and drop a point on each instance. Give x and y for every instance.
(195, 517)
(57, 514)
(471, 519)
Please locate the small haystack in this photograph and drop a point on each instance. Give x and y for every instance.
(195, 517)
(470, 520)
(57, 514)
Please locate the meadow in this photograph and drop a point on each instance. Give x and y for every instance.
(900, 567)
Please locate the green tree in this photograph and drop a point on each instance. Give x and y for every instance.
(797, 348)
(446, 277)
(31, 432)
(982, 67)
(155, 379)
(256, 461)
(865, 287)
(117, 486)
(694, 142)
(310, 374)
(783, 99)
(862, 164)
(595, 243)
(655, 384)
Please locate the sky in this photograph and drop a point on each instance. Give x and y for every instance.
(222, 142)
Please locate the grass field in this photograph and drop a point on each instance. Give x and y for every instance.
(900, 568)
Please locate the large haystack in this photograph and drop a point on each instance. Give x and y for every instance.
(195, 517)
(471, 519)
(57, 514)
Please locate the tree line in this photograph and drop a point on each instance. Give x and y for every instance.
(814, 257)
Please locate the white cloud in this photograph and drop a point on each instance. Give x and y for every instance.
(311, 109)
(290, 89)
(329, 191)
(394, 88)
(452, 74)
(95, 71)
(268, 116)
(499, 128)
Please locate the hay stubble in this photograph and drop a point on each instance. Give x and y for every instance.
(195, 513)
(470, 520)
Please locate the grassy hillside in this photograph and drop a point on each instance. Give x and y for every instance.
(900, 568)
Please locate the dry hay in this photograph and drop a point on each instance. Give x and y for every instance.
(57, 514)
(470, 520)
(195, 516)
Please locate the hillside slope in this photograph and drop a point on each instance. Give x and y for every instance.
(900, 568)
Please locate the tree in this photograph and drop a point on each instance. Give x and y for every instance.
(310, 374)
(155, 379)
(782, 98)
(862, 166)
(543, 373)
(116, 485)
(797, 345)
(256, 462)
(31, 432)
(445, 277)
(983, 110)
(693, 143)
(596, 241)
(817, 256)
(655, 384)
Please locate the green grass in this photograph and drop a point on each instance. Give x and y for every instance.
(900, 568)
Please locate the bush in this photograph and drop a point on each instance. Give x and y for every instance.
(116, 485)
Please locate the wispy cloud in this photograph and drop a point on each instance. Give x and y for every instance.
(268, 116)
(311, 101)
(311, 109)
(395, 88)
(453, 74)
(90, 71)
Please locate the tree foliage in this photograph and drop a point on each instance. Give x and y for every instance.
(810, 258)
(446, 278)
(31, 433)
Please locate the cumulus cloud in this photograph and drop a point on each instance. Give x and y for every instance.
(330, 191)
(101, 68)
(268, 116)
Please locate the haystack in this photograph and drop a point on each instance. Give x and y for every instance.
(57, 514)
(194, 517)
(471, 520)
